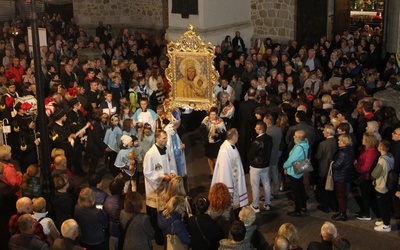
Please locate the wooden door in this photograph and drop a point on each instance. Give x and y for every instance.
(312, 16)
(341, 21)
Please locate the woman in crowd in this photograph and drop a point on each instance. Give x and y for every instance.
(11, 176)
(226, 109)
(112, 139)
(341, 172)
(205, 232)
(138, 230)
(366, 160)
(214, 130)
(176, 188)
(92, 221)
(146, 137)
(253, 234)
(220, 206)
(226, 44)
(298, 153)
(40, 214)
(289, 231)
(63, 202)
(170, 220)
(113, 206)
(31, 184)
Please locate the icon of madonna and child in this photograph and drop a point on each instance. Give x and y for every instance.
(193, 84)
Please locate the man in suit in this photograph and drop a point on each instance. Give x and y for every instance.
(109, 106)
(238, 43)
(324, 155)
(312, 61)
(247, 122)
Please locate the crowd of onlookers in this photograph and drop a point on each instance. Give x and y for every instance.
(317, 98)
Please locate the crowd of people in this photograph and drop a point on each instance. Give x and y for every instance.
(276, 105)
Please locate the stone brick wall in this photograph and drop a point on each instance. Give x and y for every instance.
(274, 19)
(135, 14)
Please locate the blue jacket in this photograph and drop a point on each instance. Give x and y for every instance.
(179, 227)
(296, 154)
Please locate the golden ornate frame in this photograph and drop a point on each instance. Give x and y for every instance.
(191, 52)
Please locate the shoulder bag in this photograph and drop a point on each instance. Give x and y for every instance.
(173, 242)
(329, 184)
(303, 166)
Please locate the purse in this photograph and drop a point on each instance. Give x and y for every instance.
(329, 184)
(303, 166)
(174, 243)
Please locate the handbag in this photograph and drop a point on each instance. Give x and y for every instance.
(174, 243)
(329, 184)
(303, 166)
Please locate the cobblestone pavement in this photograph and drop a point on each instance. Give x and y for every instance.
(360, 233)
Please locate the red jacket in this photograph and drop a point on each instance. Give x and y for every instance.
(15, 73)
(12, 177)
(366, 161)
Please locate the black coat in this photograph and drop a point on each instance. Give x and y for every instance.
(95, 143)
(209, 229)
(260, 151)
(343, 164)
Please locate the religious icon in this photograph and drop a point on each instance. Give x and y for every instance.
(191, 73)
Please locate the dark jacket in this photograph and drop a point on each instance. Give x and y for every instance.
(324, 155)
(209, 229)
(323, 245)
(260, 151)
(26, 241)
(8, 200)
(174, 225)
(343, 164)
(93, 223)
(139, 232)
(65, 243)
(113, 206)
(95, 137)
(63, 205)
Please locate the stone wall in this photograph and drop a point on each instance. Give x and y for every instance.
(274, 19)
(137, 15)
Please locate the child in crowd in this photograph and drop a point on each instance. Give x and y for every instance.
(112, 139)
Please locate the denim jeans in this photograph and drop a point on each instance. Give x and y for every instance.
(257, 174)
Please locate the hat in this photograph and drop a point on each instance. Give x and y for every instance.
(126, 139)
(134, 138)
(58, 114)
(73, 101)
(26, 106)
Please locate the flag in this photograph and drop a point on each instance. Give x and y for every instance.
(262, 48)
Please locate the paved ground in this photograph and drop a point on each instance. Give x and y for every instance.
(360, 233)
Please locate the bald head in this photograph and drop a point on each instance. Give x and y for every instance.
(24, 205)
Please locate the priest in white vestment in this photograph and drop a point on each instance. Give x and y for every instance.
(229, 170)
